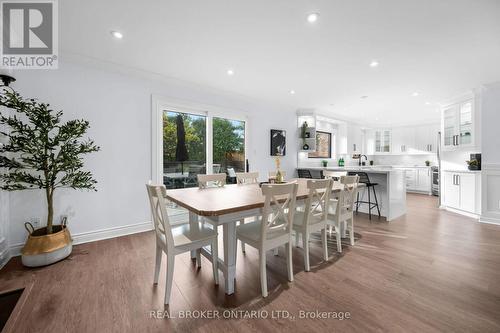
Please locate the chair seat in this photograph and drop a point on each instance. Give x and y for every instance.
(298, 220)
(252, 231)
(184, 235)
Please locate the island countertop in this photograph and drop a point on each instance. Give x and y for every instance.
(367, 169)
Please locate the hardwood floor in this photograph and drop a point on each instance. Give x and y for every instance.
(429, 271)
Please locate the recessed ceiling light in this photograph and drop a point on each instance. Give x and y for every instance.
(364, 97)
(313, 17)
(292, 92)
(427, 103)
(230, 72)
(415, 94)
(117, 34)
(374, 63)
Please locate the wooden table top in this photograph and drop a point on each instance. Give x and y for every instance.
(230, 198)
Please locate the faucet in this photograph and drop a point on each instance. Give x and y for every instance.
(366, 159)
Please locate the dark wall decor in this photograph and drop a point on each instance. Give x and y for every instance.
(278, 142)
(323, 145)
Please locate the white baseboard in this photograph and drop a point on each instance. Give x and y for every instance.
(92, 236)
(489, 220)
(461, 212)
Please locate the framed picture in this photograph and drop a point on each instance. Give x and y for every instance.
(278, 142)
(323, 145)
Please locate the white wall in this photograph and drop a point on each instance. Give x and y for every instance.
(118, 106)
(490, 139)
(406, 160)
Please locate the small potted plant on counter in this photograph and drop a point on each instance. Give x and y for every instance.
(43, 153)
(324, 163)
(473, 164)
(427, 163)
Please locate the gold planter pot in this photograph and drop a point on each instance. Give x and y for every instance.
(42, 249)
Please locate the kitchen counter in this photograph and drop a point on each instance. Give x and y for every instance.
(391, 188)
(462, 171)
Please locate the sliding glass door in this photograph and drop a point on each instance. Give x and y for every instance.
(228, 146)
(195, 144)
(184, 148)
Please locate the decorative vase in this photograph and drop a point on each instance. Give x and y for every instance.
(279, 176)
(42, 249)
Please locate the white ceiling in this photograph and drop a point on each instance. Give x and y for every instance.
(438, 48)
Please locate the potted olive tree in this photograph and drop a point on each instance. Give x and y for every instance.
(43, 153)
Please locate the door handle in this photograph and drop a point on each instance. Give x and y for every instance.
(430, 147)
(458, 179)
(354, 147)
(454, 179)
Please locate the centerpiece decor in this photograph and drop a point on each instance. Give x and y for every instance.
(46, 154)
(279, 175)
(303, 135)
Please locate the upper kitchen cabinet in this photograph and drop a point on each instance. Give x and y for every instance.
(459, 123)
(382, 141)
(426, 139)
(403, 140)
(354, 139)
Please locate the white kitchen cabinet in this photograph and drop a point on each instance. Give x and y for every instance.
(354, 139)
(458, 125)
(460, 191)
(424, 179)
(403, 140)
(369, 142)
(426, 139)
(382, 141)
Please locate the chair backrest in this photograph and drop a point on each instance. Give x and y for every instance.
(347, 197)
(363, 176)
(215, 180)
(272, 174)
(335, 175)
(317, 200)
(231, 173)
(158, 203)
(304, 173)
(279, 207)
(247, 177)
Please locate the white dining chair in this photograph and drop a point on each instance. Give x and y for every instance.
(313, 218)
(341, 209)
(272, 174)
(274, 228)
(247, 177)
(174, 240)
(215, 180)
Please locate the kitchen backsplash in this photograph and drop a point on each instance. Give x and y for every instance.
(407, 160)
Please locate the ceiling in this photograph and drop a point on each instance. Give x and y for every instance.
(436, 48)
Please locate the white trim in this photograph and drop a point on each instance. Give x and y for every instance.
(92, 236)
(461, 212)
(489, 216)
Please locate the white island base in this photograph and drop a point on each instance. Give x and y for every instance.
(391, 190)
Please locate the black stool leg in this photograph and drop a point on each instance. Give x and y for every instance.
(369, 204)
(376, 201)
(357, 203)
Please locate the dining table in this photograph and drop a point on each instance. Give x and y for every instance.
(226, 205)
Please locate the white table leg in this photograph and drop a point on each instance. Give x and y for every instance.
(229, 234)
(193, 224)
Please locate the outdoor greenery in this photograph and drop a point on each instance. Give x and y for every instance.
(228, 138)
(42, 152)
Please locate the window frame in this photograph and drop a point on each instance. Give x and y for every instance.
(159, 104)
(331, 136)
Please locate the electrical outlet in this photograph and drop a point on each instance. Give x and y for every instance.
(36, 222)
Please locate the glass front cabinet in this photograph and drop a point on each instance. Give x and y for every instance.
(382, 141)
(458, 125)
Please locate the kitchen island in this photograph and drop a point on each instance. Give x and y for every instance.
(391, 188)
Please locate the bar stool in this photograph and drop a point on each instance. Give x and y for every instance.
(364, 179)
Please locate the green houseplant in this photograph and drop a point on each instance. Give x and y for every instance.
(43, 153)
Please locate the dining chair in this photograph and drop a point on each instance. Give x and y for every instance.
(247, 177)
(341, 209)
(174, 240)
(274, 227)
(304, 173)
(313, 218)
(215, 180)
(272, 174)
